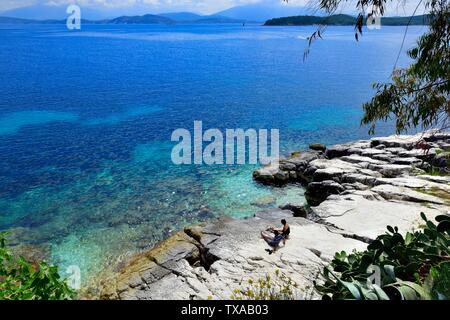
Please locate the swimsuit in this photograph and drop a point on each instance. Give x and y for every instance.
(276, 241)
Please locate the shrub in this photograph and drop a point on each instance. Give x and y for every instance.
(281, 287)
(439, 282)
(412, 267)
(22, 280)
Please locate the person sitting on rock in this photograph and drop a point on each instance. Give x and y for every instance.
(285, 230)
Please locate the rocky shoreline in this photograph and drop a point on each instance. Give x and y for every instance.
(353, 192)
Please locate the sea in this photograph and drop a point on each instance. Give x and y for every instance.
(86, 118)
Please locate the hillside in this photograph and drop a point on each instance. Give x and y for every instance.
(182, 16)
(145, 19)
(11, 20)
(343, 20)
(218, 19)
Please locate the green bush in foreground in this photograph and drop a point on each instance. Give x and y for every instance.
(414, 267)
(21, 280)
(280, 287)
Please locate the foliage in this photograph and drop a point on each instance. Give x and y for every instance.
(437, 171)
(439, 282)
(411, 267)
(281, 287)
(21, 280)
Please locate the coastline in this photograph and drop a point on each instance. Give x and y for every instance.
(353, 190)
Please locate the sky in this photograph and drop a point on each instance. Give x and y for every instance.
(197, 6)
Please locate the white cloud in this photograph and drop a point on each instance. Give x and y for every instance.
(13, 4)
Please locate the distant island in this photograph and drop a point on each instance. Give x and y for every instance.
(167, 19)
(145, 19)
(344, 20)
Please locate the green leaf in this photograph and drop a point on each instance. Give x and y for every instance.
(431, 225)
(443, 226)
(353, 289)
(407, 293)
(423, 216)
(380, 293)
(424, 295)
(20, 280)
(390, 272)
(441, 218)
(375, 245)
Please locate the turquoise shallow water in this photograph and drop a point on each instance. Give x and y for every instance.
(12, 122)
(86, 118)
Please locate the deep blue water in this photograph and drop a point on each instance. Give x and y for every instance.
(86, 119)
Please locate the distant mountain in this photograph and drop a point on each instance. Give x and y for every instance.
(189, 17)
(262, 11)
(218, 19)
(265, 10)
(170, 19)
(145, 19)
(9, 20)
(344, 20)
(51, 12)
(182, 16)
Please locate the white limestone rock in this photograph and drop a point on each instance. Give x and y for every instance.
(355, 215)
(390, 192)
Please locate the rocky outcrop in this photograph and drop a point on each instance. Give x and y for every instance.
(318, 147)
(212, 260)
(388, 157)
(288, 170)
(317, 192)
(353, 191)
(298, 210)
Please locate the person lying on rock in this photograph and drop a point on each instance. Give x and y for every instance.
(281, 234)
